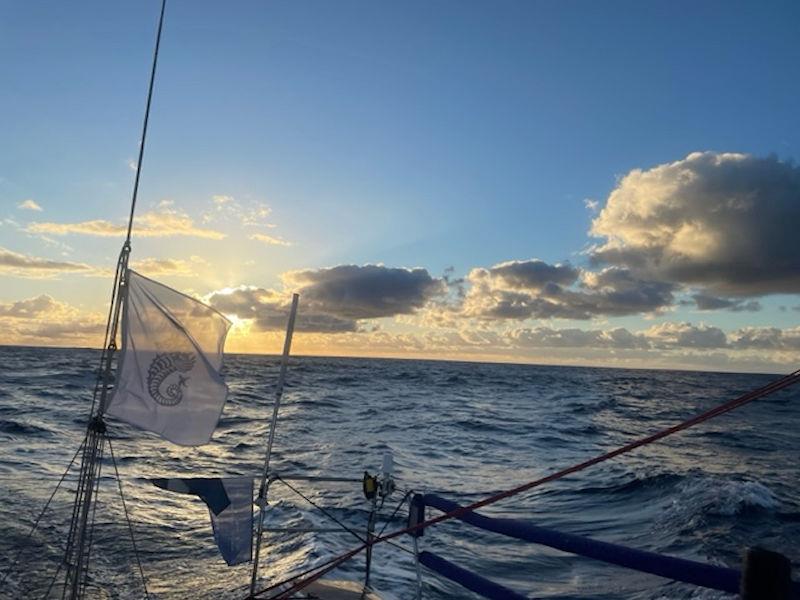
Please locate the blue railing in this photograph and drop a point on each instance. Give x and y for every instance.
(678, 569)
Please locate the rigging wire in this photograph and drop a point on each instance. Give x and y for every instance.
(394, 512)
(127, 518)
(94, 514)
(83, 501)
(76, 542)
(333, 518)
(145, 122)
(335, 558)
(53, 580)
(35, 525)
(106, 343)
(774, 386)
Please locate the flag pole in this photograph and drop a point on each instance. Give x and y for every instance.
(262, 489)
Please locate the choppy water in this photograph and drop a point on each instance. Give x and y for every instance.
(461, 429)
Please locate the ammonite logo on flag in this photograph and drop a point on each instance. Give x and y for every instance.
(165, 377)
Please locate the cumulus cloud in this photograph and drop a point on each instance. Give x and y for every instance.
(665, 336)
(29, 204)
(533, 274)
(365, 292)
(45, 320)
(33, 267)
(766, 338)
(164, 222)
(723, 222)
(534, 289)
(30, 308)
(686, 335)
(269, 310)
(706, 302)
(545, 337)
(333, 299)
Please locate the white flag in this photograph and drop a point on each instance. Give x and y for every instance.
(168, 380)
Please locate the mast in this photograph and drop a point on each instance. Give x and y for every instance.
(262, 489)
(79, 539)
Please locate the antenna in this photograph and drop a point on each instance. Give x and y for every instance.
(262, 489)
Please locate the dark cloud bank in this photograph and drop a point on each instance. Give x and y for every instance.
(335, 299)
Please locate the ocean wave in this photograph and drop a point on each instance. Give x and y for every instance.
(703, 495)
(26, 429)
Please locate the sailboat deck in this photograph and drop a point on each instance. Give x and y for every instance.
(339, 590)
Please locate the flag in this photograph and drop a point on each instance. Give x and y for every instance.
(169, 380)
(230, 506)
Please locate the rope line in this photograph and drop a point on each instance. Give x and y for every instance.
(329, 561)
(321, 509)
(349, 530)
(394, 512)
(146, 120)
(128, 519)
(774, 386)
(35, 525)
(53, 580)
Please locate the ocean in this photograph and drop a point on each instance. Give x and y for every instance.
(463, 430)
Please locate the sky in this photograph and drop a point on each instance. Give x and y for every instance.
(581, 183)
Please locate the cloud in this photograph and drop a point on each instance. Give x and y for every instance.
(545, 337)
(766, 338)
(242, 213)
(686, 335)
(30, 308)
(593, 206)
(269, 311)
(44, 320)
(664, 336)
(33, 267)
(269, 240)
(333, 299)
(705, 302)
(534, 289)
(164, 222)
(159, 267)
(29, 205)
(533, 274)
(365, 292)
(77, 330)
(722, 222)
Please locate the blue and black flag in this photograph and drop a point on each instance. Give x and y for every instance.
(230, 505)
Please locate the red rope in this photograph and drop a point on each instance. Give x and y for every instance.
(770, 388)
